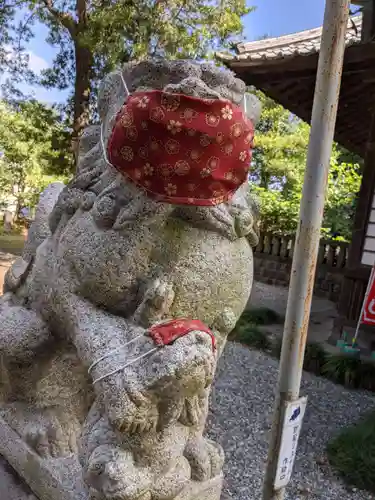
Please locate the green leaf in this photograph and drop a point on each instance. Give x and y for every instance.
(278, 168)
(31, 142)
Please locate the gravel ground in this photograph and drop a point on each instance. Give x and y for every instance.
(240, 419)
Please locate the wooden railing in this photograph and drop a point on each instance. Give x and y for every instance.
(333, 254)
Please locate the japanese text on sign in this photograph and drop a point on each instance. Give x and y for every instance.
(293, 417)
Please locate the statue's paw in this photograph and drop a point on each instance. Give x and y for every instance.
(225, 322)
(47, 442)
(155, 304)
(52, 438)
(206, 458)
(160, 296)
(50, 432)
(112, 474)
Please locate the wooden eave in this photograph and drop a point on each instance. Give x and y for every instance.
(290, 81)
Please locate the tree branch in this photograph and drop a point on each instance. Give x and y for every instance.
(6, 7)
(171, 22)
(23, 28)
(65, 19)
(81, 13)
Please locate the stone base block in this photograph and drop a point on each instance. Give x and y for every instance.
(53, 479)
(61, 478)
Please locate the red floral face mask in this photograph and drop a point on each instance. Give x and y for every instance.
(180, 149)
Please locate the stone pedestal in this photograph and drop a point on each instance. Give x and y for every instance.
(61, 478)
(53, 479)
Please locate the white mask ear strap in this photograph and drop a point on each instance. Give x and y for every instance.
(124, 84)
(244, 104)
(103, 146)
(127, 93)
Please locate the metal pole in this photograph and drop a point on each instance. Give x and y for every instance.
(308, 234)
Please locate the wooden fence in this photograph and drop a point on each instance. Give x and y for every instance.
(331, 253)
(273, 261)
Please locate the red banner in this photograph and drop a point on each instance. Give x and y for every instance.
(368, 316)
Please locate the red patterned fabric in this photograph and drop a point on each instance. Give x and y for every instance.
(166, 333)
(180, 149)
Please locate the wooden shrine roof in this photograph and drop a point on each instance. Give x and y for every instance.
(285, 68)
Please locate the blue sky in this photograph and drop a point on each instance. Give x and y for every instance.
(281, 17)
(271, 17)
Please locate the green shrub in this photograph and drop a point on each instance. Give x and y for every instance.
(343, 369)
(251, 336)
(352, 454)
(367, 379)
(247, 331)
(260, 316)
(315, 358)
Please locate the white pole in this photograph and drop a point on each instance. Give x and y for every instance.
(308, 234)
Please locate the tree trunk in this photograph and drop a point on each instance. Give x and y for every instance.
(84, 61)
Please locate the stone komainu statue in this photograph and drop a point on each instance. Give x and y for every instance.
(132, 277)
